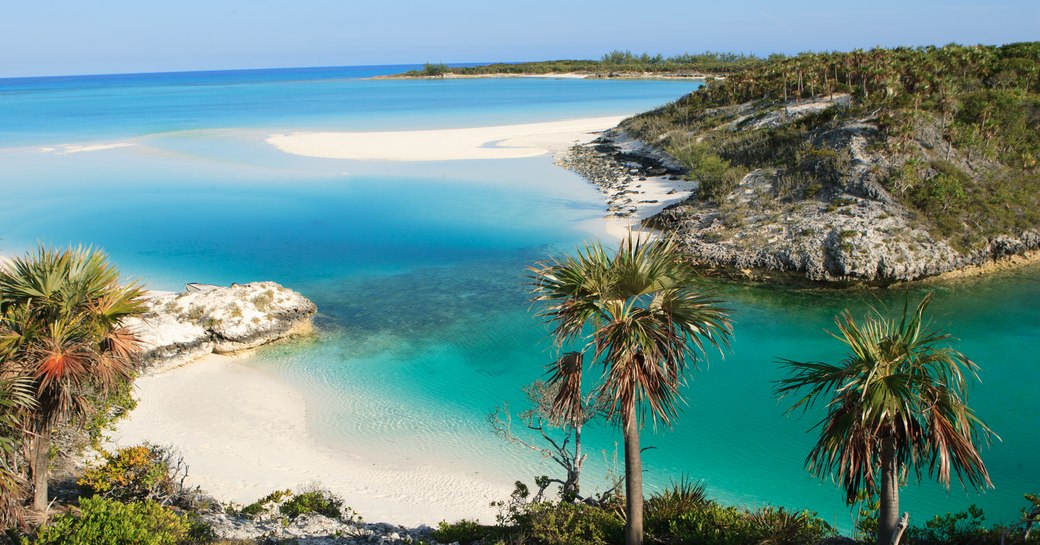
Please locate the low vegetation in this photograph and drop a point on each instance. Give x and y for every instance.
(615, 63)
(956, 130)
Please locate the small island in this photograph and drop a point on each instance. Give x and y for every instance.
(616, 64)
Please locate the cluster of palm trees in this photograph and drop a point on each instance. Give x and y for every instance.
(62, 347)
(895, 404)
(911, 74)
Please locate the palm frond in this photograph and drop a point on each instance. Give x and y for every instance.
(898, 380)
(638, 313)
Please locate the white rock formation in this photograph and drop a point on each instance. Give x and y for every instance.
(180, 327)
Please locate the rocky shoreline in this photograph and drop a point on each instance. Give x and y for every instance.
(854, 234)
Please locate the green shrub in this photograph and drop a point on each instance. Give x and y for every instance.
(142, 472)
(435, 69)
(108, 408)
(571, 524)
(264, 504)
(708, 523)
(716, 177)
(952, 528)
(317, 501)
(465, 532)
(104, 521)
(779, 526)
(680, 497)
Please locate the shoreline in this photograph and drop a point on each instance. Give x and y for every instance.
(560, 75)
(244, 434)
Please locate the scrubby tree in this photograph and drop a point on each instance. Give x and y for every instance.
(563, 447)
(643, 318)
(61, 329)
(895, 405)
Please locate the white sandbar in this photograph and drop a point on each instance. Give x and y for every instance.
(498, 142)
(244, 434)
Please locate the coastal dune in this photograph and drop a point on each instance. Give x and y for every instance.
(495, 142)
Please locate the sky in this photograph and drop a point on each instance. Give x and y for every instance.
(66, 37)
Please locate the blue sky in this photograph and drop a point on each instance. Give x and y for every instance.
(51, 37)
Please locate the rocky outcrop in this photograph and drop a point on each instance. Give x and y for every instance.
(180, 327)
(616, 163)
(314, 529)
(843, 228)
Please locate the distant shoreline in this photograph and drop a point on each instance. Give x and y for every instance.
(561, 75)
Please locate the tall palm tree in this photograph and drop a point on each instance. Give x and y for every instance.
(641, 316)
(61, 329)
(896, 403)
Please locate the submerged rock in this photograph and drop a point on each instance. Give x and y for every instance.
(180, 327)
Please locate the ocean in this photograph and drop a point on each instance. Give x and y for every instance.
(419, 270)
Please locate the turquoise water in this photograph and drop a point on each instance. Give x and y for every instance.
(418, 268)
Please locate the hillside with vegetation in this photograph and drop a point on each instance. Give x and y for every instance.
(613, 64)
(868, 166)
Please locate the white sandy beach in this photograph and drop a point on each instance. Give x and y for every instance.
(244, 435)
(497, 142)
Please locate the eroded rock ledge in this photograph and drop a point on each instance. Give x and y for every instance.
(180, 327)
(852, 233)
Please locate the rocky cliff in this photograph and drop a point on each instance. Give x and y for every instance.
(827, 216)
(180, 327)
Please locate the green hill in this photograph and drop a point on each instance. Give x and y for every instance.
(944, 141)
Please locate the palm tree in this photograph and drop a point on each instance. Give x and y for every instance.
(896, 403)
(61, 329)
(15, 400)
(644, 321)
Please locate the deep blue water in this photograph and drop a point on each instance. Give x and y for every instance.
(418, 269)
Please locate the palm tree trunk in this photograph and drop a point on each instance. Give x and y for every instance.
(888, 511)
(41, 456)
(633, 478)
(578, 460)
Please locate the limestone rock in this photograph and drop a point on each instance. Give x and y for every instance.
(180, 327)
(843, 228)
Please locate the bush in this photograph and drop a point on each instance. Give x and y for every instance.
(681, 497)
(317, 501)
(716, 177)
(264, 504)
(142, 472)
(571, 524)
(964, 527)
(708, 523)
(464, 531)
(437, 69)
(104, 521)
